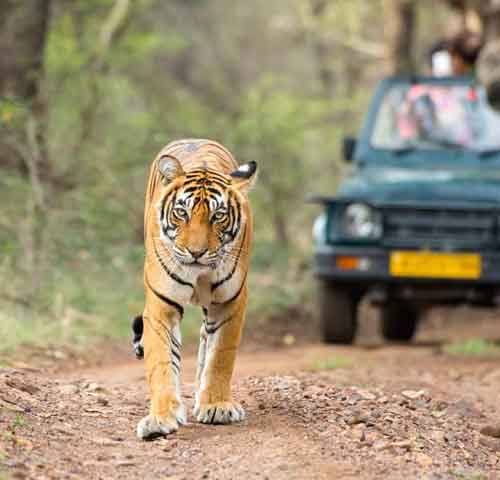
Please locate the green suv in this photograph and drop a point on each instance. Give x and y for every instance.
(416, 222)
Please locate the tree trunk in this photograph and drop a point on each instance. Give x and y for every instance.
(23, 32)
(399, 27)
(113, 27)
(280, 230)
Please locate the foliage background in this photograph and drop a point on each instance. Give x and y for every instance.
(277, 82)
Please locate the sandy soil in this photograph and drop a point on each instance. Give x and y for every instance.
(385, 412)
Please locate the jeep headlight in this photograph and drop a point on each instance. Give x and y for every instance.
(319, 229)
(359, 220)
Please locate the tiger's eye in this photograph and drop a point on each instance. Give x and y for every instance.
(181, 212)
(217, 216)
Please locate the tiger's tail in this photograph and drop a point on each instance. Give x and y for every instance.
(137, 330)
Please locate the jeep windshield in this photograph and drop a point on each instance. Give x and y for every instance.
(436, 116)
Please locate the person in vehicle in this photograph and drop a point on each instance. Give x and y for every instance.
(436, 115)
(464, 50)
(440, 114)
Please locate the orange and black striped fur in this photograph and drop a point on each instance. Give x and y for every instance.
(198, 234)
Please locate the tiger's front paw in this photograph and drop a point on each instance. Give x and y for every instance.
(219, 413)
(153, 426)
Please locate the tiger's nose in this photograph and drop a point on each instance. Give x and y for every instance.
(197, 253)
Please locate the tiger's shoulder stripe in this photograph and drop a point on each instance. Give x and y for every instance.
(236, 295)
(165, 299)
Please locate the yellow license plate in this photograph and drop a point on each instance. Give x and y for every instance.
(435, 265)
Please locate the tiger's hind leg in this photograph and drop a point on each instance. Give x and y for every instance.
(162, 345)
(220, 338)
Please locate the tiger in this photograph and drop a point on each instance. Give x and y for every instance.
(198, 228)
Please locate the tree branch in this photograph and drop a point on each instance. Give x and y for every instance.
(110, 29)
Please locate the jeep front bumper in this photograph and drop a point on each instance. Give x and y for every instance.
(368, 269)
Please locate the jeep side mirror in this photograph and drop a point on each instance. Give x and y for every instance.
(348, 146)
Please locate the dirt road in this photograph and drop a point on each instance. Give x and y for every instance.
(312, 412)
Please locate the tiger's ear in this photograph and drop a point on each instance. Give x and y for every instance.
(244, 176)
(170, 168)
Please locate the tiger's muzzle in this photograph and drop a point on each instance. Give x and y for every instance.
(198, 258)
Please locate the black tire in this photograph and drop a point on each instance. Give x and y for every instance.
(338, 309)
(398, 322)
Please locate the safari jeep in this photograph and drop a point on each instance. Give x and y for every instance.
(416, 222)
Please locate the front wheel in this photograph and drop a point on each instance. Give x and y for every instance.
(399, 321)
(338, 309)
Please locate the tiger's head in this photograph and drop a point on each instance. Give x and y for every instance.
(202, 212)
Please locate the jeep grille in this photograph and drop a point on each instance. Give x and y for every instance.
(439, 228)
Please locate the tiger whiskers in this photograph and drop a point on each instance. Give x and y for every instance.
(235, 254)
(165, 257)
